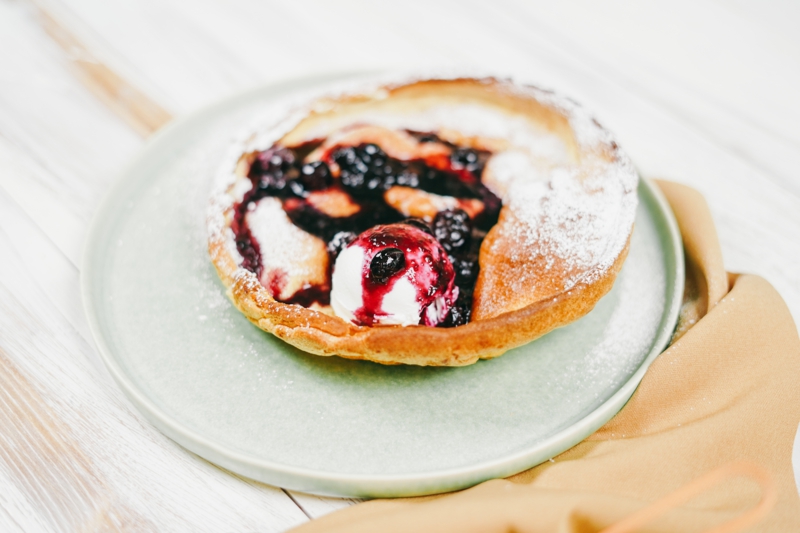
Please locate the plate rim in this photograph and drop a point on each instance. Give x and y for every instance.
(361, 485)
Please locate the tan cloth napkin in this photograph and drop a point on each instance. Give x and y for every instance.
(728, 389)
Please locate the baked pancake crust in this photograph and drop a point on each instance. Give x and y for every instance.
(569, 201)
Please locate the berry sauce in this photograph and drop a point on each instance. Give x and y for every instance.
(398, 251)
(365, 173)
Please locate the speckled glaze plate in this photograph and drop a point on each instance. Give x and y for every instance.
(217, 385)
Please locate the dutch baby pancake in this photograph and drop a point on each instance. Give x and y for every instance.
(426, 222)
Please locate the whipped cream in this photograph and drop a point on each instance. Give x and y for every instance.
(421, 292)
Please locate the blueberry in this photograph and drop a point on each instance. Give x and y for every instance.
(345, 157)
(386, 263)
(461, 311)
(419, 224)
(453, 229)
(296, 187)
(366, 171)
(374, 185)
(273, 184)
(367, 153)
(315, 176)
(251, 259)
(351, 181)
(275, 160)
(273, 170)
(465, 158)
(339, 242)
(371, 149)
(466, 269)
(350, 160)
(378, 166)
(407, 177)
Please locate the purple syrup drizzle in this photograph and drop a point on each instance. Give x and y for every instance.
(426, 263)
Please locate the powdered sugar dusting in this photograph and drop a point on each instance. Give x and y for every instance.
(574, 209)
(581, 223)
(588, 133)
(265, 127)
(284, 247)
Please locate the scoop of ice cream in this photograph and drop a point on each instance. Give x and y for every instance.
(393, 274)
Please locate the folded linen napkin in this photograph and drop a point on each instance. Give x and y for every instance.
(727, 390)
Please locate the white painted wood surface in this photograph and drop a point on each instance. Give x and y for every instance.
(701, 92)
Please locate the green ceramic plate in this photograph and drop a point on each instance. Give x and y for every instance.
(217, 385)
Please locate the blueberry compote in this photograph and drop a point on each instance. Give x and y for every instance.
(365, 172)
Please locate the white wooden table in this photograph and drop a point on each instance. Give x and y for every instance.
(698, 91)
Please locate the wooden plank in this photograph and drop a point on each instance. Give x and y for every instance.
(53, 272)
(59, 147)
(23, 180)
(75, 455)
(139, 111)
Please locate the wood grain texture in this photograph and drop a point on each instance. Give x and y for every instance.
(76, 456)
(129, 103)
(53, 473)
(700, 91)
